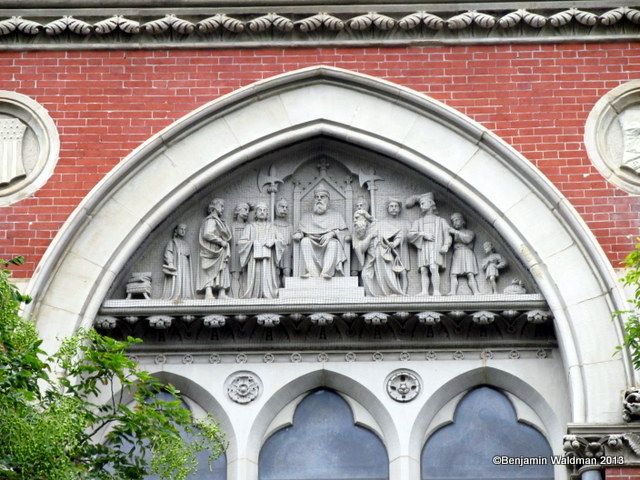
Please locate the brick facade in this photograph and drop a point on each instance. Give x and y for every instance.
(622, 474)
(105, 103)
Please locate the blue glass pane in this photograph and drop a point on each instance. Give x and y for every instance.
(323, 444)
(484, 425)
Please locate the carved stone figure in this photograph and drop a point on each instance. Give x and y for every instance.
(361, 203)
(11, 162)
(321, 241)
(430, 235)
(178, 281)
(215, 250)
(492, 264)
(260, 249)
(139, 283)
(516, 288)
(286, 231)
(400, 243)
(240, 216)
(464, 261)
(373, 244)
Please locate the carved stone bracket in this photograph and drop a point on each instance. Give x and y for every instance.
(96, 27)
(631, 404)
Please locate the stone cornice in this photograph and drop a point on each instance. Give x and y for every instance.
(235, 24)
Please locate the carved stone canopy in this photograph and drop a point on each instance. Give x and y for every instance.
(378, 260)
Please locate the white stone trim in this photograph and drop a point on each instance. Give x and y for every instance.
(264, 116)
(37, 119)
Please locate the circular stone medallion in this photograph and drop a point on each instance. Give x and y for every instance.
(403, 385)
(243, 387)
(29, 144)
(612, 136)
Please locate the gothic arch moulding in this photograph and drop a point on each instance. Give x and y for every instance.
(537, 222)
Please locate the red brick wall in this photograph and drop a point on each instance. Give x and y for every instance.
(536, 97)
(622, 474)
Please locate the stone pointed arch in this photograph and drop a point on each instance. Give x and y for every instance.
(563, 256)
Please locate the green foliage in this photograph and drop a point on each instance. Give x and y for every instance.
(88, 411)
(632, 317)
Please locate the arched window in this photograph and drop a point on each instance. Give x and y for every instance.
(485, 426)
(323, 442)
(218, 468)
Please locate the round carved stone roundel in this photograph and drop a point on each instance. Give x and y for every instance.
(612, 136)
(30, 145)
(403, 385)
(243, 387)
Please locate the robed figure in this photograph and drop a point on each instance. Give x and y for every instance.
(176, 267)
(214, 238)
(322, 250)
(374, 243)
(394, 222)
(260, 249)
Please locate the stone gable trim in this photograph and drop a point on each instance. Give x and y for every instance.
(294, 26)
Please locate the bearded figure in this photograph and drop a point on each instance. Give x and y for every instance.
(374, 243)
(320, 234)
(214, 239)
(260, 248)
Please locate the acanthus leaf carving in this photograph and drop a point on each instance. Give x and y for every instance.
(321, 319)
(169, 21)
(270, 20)
(563, 18)
(429, 318)
(7, 26)
(532, 19)
(160, 322)
(268, 320)
(27, 26)
(210, 24)
(538, 316)
(319, 20)
(105, 323)
(362, 22)
(612, 17)
(214, 321)
(483, 317)
(375, 318)
(409, 22)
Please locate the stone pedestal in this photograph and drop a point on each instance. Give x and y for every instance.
(337, 288)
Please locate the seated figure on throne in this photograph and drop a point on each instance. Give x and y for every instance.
(322, 251)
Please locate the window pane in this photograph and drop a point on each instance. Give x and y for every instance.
(323, 444)
(485, 425)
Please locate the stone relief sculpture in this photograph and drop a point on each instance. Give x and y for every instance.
(178, 281)
(492, 264)
(260, 248)
(464, 261)
(240, 217)
(285, 230)
(215, 250)
(430, 235)
(11, 163)
(374, 244)
(321, 245)
(630, 123)
(139, 283)
(400, 242)
(516, 288)
(361, 203)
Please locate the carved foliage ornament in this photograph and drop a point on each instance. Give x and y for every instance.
(243, 387)
(29, 144)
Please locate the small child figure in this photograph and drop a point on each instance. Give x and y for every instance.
(492, 264)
